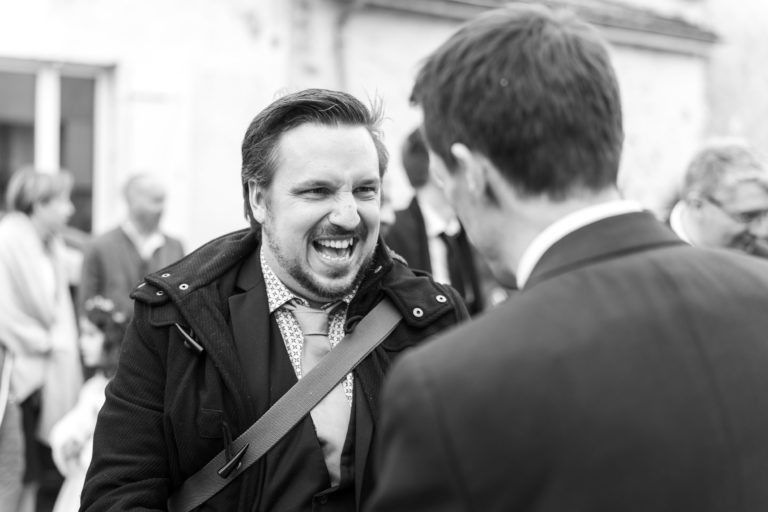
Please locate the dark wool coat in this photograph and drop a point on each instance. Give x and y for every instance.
(172, 407)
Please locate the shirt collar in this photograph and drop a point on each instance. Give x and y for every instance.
(564, 226)
(677, 224)
(145, 244)
(435, 224)
(277, 293)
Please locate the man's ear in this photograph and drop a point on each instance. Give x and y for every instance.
(257, 198)
(471, 166)
(695, 202)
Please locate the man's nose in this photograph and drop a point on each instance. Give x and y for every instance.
(345, 214)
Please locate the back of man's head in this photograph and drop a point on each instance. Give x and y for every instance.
(534, 91)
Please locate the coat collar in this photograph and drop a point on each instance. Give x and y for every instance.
(607, 238)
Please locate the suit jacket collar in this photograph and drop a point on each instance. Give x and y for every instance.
(412, 222)
(604, 239)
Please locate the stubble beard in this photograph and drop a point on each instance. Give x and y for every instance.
(304, 278)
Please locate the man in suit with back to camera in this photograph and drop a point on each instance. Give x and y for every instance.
(724, 199)
(223, 334)
(629, 372)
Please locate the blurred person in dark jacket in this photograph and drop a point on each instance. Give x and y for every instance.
(724, 199)
(116, 261)
(628, 373)
(429, 235)
(215, 340)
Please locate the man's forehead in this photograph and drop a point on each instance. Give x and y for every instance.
(319, 152)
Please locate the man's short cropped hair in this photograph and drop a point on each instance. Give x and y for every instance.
(719, 165)
(313, 106)
(534, 91)
(415, 158)
(29, 186)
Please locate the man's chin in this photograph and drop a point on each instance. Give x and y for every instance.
(325, 287)
(329, 293)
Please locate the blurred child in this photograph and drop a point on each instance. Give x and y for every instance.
(72, 436)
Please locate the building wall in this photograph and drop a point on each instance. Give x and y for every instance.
(738, 77)
(664, 104)
(184, 79)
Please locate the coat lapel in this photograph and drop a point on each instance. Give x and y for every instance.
(604, 239)
(248, 308)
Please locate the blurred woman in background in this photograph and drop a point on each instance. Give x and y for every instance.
(38, 333)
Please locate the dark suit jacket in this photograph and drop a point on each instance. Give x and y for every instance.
(630, 374)
(408, 238)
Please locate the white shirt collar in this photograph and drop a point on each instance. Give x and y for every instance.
(564, 226)
(677, 224)
(146, 245)
(435, 224)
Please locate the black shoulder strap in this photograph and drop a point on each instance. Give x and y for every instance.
(284, 414)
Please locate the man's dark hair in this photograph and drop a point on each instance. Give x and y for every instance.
(313, 106)
(534, 91)
(415, 159)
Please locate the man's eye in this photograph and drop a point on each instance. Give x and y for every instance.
(367, 191)
(316, 191)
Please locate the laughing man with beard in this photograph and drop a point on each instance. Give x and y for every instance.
(215, 339)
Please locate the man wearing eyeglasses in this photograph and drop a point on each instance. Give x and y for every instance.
(724, 201)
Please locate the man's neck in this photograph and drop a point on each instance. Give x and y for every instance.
(141, 229)
(521, 219)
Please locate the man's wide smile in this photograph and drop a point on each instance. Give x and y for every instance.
(337, 250)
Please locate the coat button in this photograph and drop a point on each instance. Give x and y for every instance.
(418, 312)
(183, 286)
(165, 275)
(441, 298)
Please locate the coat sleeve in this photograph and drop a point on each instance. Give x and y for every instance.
(417, 468)
(130, 469)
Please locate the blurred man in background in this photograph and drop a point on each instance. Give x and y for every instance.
(724, 200)
(116, 261)
(429, 235)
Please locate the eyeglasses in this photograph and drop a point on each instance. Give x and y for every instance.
(747, 217)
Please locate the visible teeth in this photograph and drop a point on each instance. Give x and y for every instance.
(336, 244)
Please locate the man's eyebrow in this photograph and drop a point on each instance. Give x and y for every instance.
(371, 181)
(313, 183)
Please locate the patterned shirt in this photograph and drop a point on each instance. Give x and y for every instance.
(278, 295)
